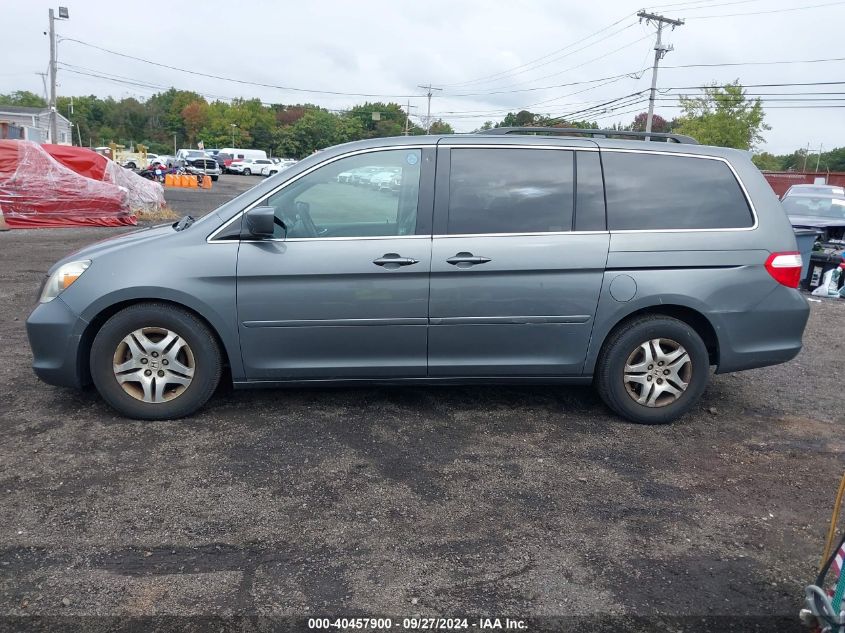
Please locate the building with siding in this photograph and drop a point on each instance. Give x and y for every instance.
(33, 124)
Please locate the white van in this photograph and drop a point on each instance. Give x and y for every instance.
(240, 154)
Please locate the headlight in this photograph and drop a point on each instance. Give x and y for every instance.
(60, 280)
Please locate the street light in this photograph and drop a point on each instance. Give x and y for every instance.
(234, 125)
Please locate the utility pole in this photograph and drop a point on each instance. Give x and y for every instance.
(428, 93)
(659, 53)
(63, 15)
(819, 157)
(53, 121)
(806, 154)
(44, 83)
(408, 117)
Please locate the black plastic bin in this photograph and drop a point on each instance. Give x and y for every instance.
(820, 263)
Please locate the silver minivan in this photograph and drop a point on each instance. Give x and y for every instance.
(507, 257)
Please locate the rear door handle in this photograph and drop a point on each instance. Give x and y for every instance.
(392, 261)
(465, 260)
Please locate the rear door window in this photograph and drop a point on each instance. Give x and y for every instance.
(661, 191)
(510, 191)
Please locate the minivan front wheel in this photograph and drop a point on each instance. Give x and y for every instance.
(652, 369)
(155, 361)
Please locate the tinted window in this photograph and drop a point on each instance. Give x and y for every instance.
(372, 194)
(589, 201)
(510, 191)
(658, 191)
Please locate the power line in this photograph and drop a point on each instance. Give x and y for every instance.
(508, 75)
(601, 105)
(703, 4)
(566, 70)
(239, 81)
(775, 63)
(733, 15)
(158, 87)
(632, 74)
(543, 57)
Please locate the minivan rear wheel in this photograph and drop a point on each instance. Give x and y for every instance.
(155, 361)
(652, 369)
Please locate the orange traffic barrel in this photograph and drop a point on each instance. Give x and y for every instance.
(192, 182)
(168, 180)
(206, 182)
(184, 180)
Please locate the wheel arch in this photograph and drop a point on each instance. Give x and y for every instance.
(693, 317)
(104, 314)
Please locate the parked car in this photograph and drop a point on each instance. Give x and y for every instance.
(251, 166)
(223, 160)
(280, 165)
(362, 176)
(384, 180)
(202, 165)
(182, 154)
(833, 190)
(817, 208)
(635, 266)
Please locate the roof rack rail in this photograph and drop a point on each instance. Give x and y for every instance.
(656, 136)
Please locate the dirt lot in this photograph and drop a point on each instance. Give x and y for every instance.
(399, 501)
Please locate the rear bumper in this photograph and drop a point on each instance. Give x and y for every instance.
(768, 334)
(55, 333)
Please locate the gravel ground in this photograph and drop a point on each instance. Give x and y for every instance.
(436, 501)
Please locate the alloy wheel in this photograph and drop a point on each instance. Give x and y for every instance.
(657, 372)
(154, 364)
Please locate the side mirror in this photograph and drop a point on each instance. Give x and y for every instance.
(259, 222)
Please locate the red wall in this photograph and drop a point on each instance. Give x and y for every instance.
(783, 180)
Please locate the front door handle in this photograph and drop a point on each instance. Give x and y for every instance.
(465, 260)
(392, 261)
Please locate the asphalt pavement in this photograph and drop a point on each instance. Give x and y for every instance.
(411, 500)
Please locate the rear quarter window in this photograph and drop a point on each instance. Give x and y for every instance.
(663, 191)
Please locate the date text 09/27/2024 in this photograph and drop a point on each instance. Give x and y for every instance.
(418, 624)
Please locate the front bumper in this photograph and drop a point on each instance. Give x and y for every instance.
(55, 334)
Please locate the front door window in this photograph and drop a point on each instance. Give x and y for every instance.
(367, 195)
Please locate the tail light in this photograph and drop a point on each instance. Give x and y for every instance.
(785, 268)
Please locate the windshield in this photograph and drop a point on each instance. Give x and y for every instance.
(822, 206)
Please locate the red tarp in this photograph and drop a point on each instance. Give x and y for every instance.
(142, 194)
(38, 192)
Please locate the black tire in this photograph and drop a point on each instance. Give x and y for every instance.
(623, 342)
(247, 172)
(200, 340)
(214, 178)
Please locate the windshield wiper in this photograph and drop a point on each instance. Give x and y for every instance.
(184, 223)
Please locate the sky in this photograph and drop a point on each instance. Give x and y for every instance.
(583, 59)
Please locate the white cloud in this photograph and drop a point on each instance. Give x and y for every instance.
(390, 47)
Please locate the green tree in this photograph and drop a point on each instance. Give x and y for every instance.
(766, 161)
(518, 119)
(316, 129)
(23, 98)
(441, 127)
(723, 116)
(390, 119)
